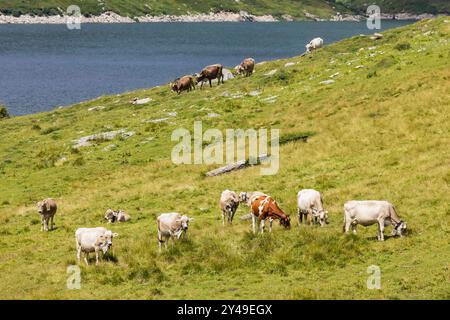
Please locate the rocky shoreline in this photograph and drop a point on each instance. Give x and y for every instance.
(111, 17)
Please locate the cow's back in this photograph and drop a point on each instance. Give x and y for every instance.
(167, 222)
(366, 210)
(86, 237)
(307, 198)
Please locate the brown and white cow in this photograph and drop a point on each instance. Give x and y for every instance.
(185, 83)
(265, 207)
(209, 73)
(246, 67)
(47, 209)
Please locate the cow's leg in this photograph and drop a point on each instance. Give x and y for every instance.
(347, 224)
(299, 212)
(86, 257)
(42, 223)
(51, 223)
(223, 218)
(381, 230)
(262, 224)
(46, 223)
(354, 228)
(210, 83)
(270, 225)
(96, 257)
(78, 252)
(254, 223)
(310, 217)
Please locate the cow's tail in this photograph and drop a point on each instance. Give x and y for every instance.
(246, 216)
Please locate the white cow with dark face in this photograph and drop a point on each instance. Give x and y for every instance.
(93, 240)
(171, 225)
(371, 212)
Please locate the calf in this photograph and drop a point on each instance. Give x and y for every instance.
(47, 209)
(229, 202)
(209, 73)
(371, 212)
(186, 83)
(171, 225)
(93, 240)
(310, 205)
(246, 67)
(264, 207)
(119, 216)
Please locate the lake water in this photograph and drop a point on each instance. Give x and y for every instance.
(45, 66)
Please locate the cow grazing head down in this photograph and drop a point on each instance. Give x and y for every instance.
(399, 229)
(322, 215)
(105, 240)
(243, 197)
(286, 222)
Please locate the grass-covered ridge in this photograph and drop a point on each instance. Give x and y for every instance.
(296, 8)
(380, 131)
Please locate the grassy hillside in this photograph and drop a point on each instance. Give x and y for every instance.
(295, 8)
(381, 132)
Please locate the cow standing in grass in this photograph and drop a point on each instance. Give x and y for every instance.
(229, 202)
(371, 212)
(47, 209)
(171, 225)
(209, 73)
(310, 206)
(264, 207)
(186, 83)
(246, 67)
(93, 240)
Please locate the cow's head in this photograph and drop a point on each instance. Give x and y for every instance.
(43, 206)
(308, 47)
(399, 229)
(238, 69)
(286, 222)
(184, 221)
(105, 240)
(323, 216)
(110, 215)
(243, 197)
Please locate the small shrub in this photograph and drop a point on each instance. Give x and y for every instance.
(3, 112)
(402, 46)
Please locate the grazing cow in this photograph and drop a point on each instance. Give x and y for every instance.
(370, 212)
(93, 240)
(171, 225)
(314, 44)
(186, 83)
(310, 205)
(209, 73)
(264, 207)
(229, 202)
(246, 67)
(47, 209)
(119, 216)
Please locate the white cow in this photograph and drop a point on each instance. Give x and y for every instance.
(314, 44)
(229, 202)
(119, 216)
(171, 225)
(370, 212)
(93, 240)
(310, 205)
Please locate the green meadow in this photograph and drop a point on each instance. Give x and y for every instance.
(380, 130)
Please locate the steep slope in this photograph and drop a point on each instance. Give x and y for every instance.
(379, 131)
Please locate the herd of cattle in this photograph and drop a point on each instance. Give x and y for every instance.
(215, 71)
(262, 206)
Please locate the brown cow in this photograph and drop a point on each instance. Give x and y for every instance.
(264, 207)
(209, 73)
(246, 67)
(47, 209)
(186, 83)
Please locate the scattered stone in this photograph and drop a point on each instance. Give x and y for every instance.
(96, 108)
(326, 82)
(213, 115)
(87, 141)
(289, 64)
(270, 99)
(141, 101)
(156, 120)
(172, 114)
(271, 73)
(254, 93)
(227, 75)
(334, 75)
(110, 147)
(359, 67)
(376, 36)
(226, 94)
